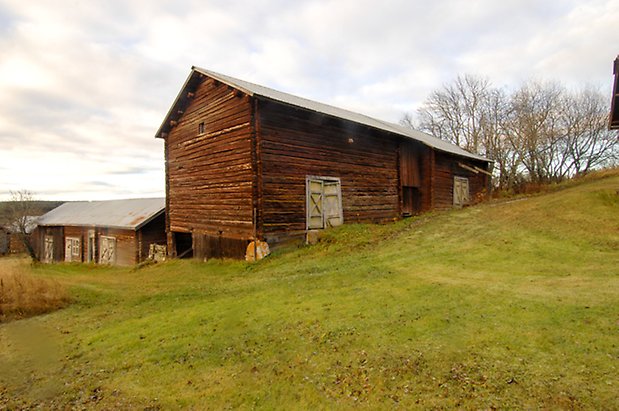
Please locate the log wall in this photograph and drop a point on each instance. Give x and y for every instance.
(209, 178)
(295, 143)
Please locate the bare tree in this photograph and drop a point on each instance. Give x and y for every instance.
(533, 127)
(470, 112)
(456, 112)
(19, 212)
(589, 142)
(540, 133)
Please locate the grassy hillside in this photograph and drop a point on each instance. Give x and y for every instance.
(511, 304)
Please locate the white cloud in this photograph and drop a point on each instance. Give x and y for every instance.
(85, 85)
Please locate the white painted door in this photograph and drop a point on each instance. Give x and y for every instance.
(67, 249)
(48, 255)
(324, 203)
(315, 204)
(107, 250)
(332, 203)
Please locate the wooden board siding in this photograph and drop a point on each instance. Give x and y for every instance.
(295, 143)
(16, 245)
(209, 179)
(126, 244)
(208, 246)
(445, 169)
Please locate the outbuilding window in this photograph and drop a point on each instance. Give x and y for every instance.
(201, 128)
(72, 249)
(324, 202)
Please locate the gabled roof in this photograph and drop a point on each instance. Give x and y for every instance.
(614, 103)
(256, 90)
(129, 214)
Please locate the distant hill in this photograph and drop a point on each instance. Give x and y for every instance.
(41, 207)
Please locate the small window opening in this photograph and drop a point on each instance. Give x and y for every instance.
(201, 128)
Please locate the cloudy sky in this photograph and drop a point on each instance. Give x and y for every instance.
(84, 85)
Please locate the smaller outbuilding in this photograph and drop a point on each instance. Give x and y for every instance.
(120, 232)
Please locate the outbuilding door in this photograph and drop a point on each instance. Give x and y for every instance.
(48, 250)
(461, 191)
(410, 179)
(90, 256)
(107, 250)
(324, 202)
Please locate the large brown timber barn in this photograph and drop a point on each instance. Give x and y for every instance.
(117, 232)
(246, 162)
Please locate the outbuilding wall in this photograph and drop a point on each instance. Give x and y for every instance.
(447, 167)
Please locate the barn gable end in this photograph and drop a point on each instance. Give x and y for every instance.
(209, 169)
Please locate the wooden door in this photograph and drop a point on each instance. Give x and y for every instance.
(410, 179)
(48, 251)
(333, 215)
(410, 175)
(324, 202)
(107, 250)
(68, 249)
(461, 191)
(315, 204)
(91, 247)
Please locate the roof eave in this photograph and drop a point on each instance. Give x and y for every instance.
(222, 80)
(149, 219)
(165, 125)
(382, 130)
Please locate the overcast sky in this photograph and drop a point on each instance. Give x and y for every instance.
(84, 85)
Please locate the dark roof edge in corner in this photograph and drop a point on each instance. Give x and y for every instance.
(166, 120)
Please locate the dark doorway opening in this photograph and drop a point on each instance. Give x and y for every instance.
(184, 245)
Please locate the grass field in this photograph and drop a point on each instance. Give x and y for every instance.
(511, 304)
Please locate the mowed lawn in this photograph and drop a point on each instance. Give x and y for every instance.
(510, 304)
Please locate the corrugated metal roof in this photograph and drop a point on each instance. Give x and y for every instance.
(257, 90)
(126, 214)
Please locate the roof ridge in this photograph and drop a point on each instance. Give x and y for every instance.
(254, 89)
